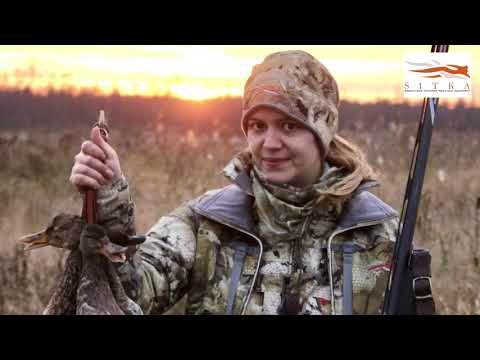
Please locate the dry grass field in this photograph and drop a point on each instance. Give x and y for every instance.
(165, 168)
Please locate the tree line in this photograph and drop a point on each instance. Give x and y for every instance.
(60, 110)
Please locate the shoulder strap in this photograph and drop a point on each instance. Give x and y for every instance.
(199, 277)
(347, 250)
(238, 261)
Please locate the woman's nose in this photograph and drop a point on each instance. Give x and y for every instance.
(272, 139)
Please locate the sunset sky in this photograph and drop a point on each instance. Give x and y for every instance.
(364, 73)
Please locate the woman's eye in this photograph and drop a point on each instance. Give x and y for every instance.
(256, 126)
(290, 126)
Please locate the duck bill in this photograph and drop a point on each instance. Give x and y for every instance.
(34, 241)
(114, 253)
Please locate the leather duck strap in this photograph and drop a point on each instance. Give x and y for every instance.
(89, 211)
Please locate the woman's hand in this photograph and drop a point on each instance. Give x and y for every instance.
(96, 164)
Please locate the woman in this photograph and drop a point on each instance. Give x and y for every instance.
(295, 233)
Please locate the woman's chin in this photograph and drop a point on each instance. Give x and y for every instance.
(277, 178)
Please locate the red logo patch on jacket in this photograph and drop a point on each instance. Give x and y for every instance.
(383, 266)
(322, 302)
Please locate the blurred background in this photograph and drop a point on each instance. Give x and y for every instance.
(174, 113)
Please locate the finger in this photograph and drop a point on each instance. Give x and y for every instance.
(95, 164)
(80, 180)
(97, 138)
(90, 172)
(92, 149)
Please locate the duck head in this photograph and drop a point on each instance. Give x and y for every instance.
(94, 240)
(63, 232)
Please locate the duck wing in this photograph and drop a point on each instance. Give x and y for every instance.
(63, 299)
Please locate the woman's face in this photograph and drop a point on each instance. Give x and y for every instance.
(283, 149)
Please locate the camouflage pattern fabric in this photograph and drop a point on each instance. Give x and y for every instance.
(297, 84)
(186, 253)
(115, 207)
(295, 225)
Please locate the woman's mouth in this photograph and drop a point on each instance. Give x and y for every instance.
(274, 162)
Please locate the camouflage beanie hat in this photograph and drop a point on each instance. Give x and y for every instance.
(297, 84)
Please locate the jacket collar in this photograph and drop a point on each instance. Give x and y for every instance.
(232, 206)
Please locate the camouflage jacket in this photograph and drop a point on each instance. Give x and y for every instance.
(208, 249)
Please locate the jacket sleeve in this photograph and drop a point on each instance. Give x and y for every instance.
(115, 207)
(159, 272)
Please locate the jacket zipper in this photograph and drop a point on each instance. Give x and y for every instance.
(329, 252)
(330, 256)
(257, 239)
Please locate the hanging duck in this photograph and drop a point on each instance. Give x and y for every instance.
(89, 284)
(82, 268)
